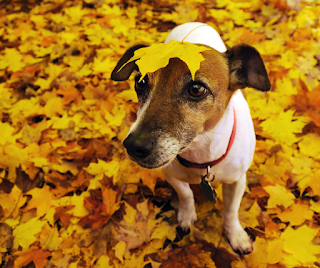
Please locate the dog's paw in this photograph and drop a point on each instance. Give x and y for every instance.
(239, 240)
(186, 217)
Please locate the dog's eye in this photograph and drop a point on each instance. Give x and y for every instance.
(141, 85)
(197, 91)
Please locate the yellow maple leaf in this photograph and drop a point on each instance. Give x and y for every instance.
(39, 20)
(258, 257)
(77, 201)
(69, 36)
(130, 214)
(12, 202)
(118, 113)
(109, 169)
(65, 166)
(298, 242)
(150, 59)
(85, 70)
(74, 62)
(50, 239)
(75, 12)
(135, 260)
(250, 217)
(102, 262)
(32, 134)
(25, 108)
(24, 234)
(274, 171)
(7, 135)
(296, 214)
(11, 156)
(288, 59)
(283, 127)
(306, 17)
(99, 66)
(12, 59)
(95, 182)
(128, 95)
(288, 261)
(41, 200)
(75, 265)
(302, 165)
(257, 100)
(279, 196)
(165, 230)
(274, 249)
(120, 249)
(310, 145)
(312, 181)
(315, 206)
(65, 120)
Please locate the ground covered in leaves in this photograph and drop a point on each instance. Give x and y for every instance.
(69, 197)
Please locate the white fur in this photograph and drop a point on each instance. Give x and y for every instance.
(232, 170)
(204, 35)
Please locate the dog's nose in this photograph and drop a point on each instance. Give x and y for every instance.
(139, 147)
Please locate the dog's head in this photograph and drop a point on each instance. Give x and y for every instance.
(174, 109)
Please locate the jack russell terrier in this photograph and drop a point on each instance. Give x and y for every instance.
(200, 129)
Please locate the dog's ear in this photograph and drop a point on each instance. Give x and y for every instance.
(125, 72)
(246, 68)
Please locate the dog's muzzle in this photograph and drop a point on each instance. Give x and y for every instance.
(151, 149)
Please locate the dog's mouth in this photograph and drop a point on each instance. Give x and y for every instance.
(153, 166)
(150, 163)
(156, 160)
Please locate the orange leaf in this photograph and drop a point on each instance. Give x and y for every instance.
(70, 94)
(110, 205)
(38, 257)
(189, 256)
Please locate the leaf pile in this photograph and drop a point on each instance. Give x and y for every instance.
(69, 197)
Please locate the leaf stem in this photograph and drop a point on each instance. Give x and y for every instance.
(192, 31)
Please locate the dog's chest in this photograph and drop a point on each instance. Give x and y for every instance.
(238, 158)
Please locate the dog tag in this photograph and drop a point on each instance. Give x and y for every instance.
(208, 191)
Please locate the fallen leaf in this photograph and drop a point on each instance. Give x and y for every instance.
(189, 256)
(120, 249)
(41, 200)
(38, 257)
(279, 196)
(24, 234)
(157, 56)
(298, 242)
(296, 214)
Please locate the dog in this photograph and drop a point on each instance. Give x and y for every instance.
(197, 129)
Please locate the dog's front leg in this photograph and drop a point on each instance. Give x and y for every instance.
(186, 210)
(237, 236)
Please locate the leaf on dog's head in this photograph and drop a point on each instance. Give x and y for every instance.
(151, 59)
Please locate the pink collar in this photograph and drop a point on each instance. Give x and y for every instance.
(189, 164)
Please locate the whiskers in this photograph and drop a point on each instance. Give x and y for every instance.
(206, 137)
(210, 131)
